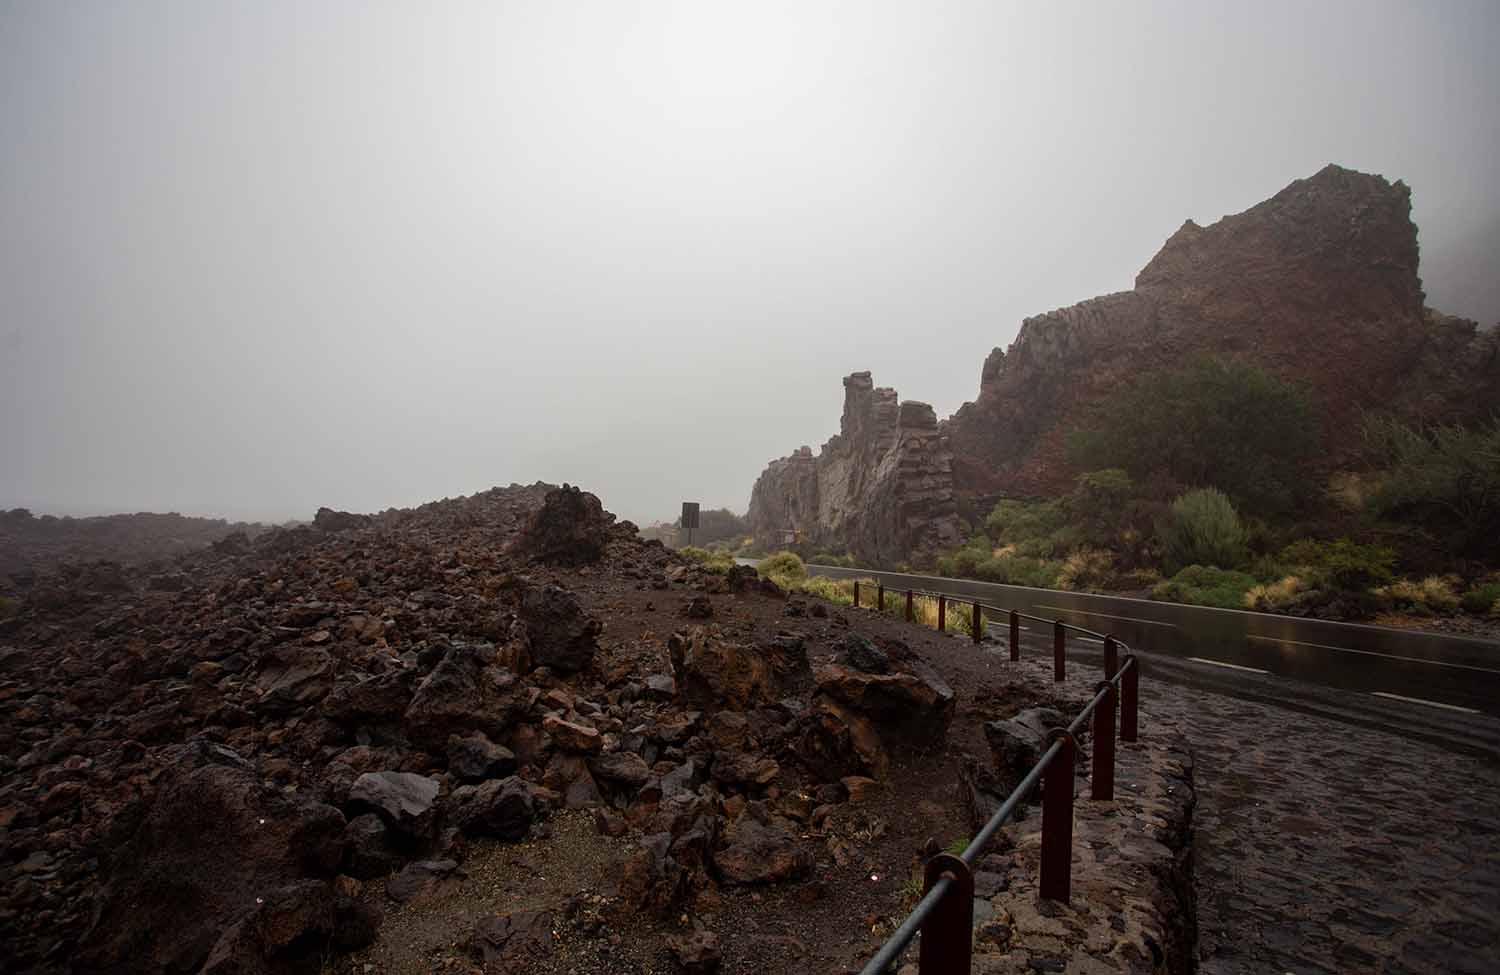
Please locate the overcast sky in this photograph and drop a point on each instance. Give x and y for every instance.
(259, 257)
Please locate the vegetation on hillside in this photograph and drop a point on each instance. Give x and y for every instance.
(1204, 487)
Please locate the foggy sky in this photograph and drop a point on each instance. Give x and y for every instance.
(260, 257)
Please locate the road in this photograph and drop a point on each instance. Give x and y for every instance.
(1443, 690)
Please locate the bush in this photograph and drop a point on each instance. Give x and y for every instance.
(839, 591)
(1281, 596)
(783, 568)
(1202, 528)
(1481, 599)
(1212, 422)
(1432, 596)
(846, 560)
(1444, 477)
(1343, 563)
(1019, 570)
(1087, 569)
(718, 561)
(1205, 585)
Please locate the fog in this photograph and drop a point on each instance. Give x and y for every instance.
(261, 257)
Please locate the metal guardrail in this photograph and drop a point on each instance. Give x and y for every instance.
(945, 914)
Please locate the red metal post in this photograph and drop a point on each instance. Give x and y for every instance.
(1111, 658)
(910, 616)
(978, 633)
(1102, 774)
(856, 594)
(942, 613)
(1130, 694)
(1059, 651)
(948, 933)
(1015, 635)
(880, 597)
(1057, 822)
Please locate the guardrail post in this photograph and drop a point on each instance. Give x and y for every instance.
(1102, 772)
(942, 612)
(856, 594)
(978, 633)
(1111, 658)
(1130, 694)
(880, 597)
(948, 933)
(1015, 635)
(1057, 821)
(909, 615)
(1059, 651)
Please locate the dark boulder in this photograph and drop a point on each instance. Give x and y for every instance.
(464, 693)
(511, 943)
(502, 808)
(407, 802)
(910, 708)
(217, 864)
(329, 520)
(419, 879)
(570, 528)
(761, 849)
(474, 758)
(562, 636)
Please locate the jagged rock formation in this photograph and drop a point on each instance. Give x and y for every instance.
(1317, 284)
(882, 488)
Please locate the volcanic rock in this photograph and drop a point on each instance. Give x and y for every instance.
(419, 879)
(563, 637)
(913, 708)
(405, 801)
(329, 520)
(571, 528)
(502, 808)
(474, 758)
(219, 864)
(761, 849)
(463, 693)
(698, 953)
(1017, 743)
(510, 943)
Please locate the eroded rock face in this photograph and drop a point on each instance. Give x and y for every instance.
(882, 488)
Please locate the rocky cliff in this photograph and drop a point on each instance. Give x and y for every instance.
(1318, 285)
(881, 488)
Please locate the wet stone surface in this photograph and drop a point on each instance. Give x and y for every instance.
(1325, 847)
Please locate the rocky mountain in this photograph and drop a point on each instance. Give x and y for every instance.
(1318, 284)
(882, 487)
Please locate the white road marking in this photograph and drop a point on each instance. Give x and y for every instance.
(1089, 612)
(1419, 700)
(1372, 653)
(1220, 663)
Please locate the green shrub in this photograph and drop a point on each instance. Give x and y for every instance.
(1481, 599)
(1202, 528)
(846, 560)
(1205, 585)
(718, 561)
(1210, 422)
(783, 568)
(1444, 477)
(839, 591)
(1343, 563)
(1019, 570)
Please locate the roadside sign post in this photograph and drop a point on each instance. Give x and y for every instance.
(689, 518)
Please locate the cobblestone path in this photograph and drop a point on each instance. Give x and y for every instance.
(1326, 847)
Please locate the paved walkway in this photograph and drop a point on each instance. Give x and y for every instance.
(1327, 847)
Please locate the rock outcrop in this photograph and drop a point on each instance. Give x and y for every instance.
(882, 488)
(1317, 285)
